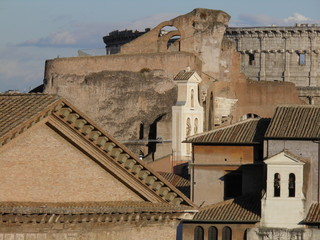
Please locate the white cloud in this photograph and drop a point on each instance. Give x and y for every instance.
(265, 20)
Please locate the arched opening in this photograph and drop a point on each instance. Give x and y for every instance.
(188, 133)
(292, 185)
(212, 233)
(198, 233)
(226, 233)
(196, 126)
(192, 98)
(276, 185)
(174, 43)
(167, 29)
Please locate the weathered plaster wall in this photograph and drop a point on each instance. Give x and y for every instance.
(41, 166)
(211, 164)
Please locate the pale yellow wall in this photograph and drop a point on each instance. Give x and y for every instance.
(41, 166)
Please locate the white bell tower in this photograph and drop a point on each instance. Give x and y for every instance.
(187, 114)
(283, 204)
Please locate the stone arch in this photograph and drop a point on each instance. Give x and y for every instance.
(169, 38)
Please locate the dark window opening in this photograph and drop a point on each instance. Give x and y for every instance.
(226, 233)
(152, 138)
(210, 124)
(198, 233)
(292, 185)
(302, 59)
(212, 233)
(251, 58)
(276, 185)
(232, 184)
(141, 130)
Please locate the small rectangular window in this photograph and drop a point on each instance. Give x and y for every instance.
(251, 58)
(302, 59)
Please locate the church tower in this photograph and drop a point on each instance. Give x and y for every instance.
(187, 114)
(283, 204)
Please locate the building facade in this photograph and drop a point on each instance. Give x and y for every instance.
(288, 54)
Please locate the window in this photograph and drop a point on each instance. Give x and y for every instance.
(212, 233)
(292, 185)
(302, 59)
(192, 98)
(251, 58)
(198, 233)
(276, 185)
(226, 233)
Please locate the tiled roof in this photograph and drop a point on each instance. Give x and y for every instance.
(88, 207)
(175, 179)
(179, 182)
(242, 209)
(313, 216)
(18, 108)
(102, 213)
(296, 121)
(184, 75)
(247, 131)
(19, 112)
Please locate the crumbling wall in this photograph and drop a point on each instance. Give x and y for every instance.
(235, 101)
(120, 101)
(201, 32)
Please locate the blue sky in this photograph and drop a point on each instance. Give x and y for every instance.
(35, 30)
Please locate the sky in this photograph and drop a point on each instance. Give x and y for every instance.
(32, 31)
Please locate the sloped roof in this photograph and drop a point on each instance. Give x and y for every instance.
(313, 216)
(20, 112)
(241, 209)
(179, 182)
(296, 122)
(175, 179)
(247, 131)
(184, 75)
(88, 207)
(18, 108)
(97, 212)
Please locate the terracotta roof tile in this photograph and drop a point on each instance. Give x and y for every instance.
(18, 108)
(88, 207)
(296, 121)
(184, 75)
(242, 209)
(248, 131)
(313, 216)
(179, 182)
